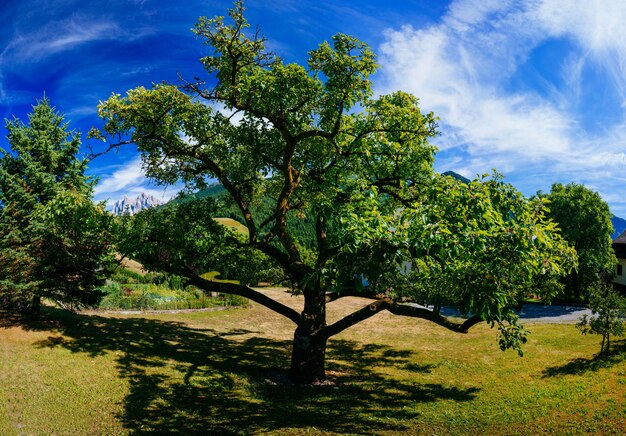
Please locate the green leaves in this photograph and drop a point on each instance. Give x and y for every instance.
(290, 143)
(584, 220)
(480, 247)
(54, 242)
(233, 51)
(180, 239)
(344, 69)
(183, 238)
(608, 315)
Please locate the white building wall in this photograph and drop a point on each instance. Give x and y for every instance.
(621, 279)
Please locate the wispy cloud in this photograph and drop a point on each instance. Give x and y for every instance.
(597, 26)
(462, 68)
(129, 180)
(61, 35)
(29, 46)
(128, 175)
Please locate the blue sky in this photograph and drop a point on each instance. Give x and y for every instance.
(534, 89)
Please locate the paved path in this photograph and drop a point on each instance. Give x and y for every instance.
(557, 314)
(539, 313)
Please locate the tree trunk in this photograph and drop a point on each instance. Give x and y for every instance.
(309, 343)
(308, 357)
(576, 292)
(35, 305)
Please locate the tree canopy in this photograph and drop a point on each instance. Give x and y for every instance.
(317, 143)
(585, 222)
(53, 240)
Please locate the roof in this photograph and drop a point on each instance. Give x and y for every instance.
(621, 239)
(619, 245)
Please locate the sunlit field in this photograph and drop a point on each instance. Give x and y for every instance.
(224, 371)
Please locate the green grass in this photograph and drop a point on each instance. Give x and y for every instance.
(223, 372)
(234, 224)
(214, 277)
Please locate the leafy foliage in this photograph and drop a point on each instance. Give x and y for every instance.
(302, 226)
(54, 242)
(167, 238)
(312, 143)
(585, 222)
(608, 316)
(478, 246)
(160, 297)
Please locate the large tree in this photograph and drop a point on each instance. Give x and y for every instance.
(54, 241)
(585, 222)
(316, 143)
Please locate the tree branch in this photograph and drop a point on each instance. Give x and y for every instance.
(349, 291)
(92, 155)
(244, 291)
(420, 312)
(398, 309)
(356, 317)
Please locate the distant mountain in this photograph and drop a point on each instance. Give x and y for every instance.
(619, 224)
(132, 206)
(457, 176)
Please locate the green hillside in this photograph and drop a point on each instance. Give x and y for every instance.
(229, 222)
(303, 228)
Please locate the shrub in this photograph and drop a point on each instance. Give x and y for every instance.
(176, 282)
(123, 275)
(608, 311)
(233, 300)
(135, 296)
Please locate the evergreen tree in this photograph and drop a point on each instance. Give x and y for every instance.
(53, 240)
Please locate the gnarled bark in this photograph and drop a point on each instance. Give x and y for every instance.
(308, 356)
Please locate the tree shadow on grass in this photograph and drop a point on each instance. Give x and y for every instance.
(184, 380)
(582, 365)
(12, 319)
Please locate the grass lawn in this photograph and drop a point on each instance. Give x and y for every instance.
(209, 372)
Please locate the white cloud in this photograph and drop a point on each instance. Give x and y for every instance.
(35, 43)
(128, 175)
(130, 180)
(461, 69)
(597, 25)
(447, 80)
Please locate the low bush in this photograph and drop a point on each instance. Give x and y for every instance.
(232, 300)
(128, 290)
